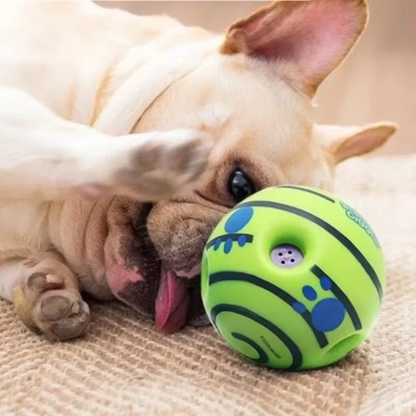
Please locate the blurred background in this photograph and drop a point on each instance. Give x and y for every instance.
(377, 82)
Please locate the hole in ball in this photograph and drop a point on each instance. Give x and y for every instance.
(344, 347)
(278, 252)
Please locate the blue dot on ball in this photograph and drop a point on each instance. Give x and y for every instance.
(217, 244)
(309, 293)
(228, 246)
(328, 315)
(242, 240)
(299, 307)
(239, 219)
(326, 283)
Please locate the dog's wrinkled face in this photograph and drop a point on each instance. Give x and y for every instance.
(253, 101)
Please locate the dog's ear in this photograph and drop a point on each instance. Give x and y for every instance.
(311, 38)
(345, 142)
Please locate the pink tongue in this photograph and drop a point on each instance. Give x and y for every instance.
(172, 303)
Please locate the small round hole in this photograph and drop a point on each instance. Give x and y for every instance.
(280, 253)
(344, 347)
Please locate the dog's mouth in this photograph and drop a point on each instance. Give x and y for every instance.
(147, 286)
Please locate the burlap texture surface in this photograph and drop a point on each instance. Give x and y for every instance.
(124, 367)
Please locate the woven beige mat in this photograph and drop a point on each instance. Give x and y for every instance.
(124, 367)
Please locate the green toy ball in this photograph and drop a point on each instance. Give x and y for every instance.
(293, 278)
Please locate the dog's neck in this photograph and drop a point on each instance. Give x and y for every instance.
(145, 73)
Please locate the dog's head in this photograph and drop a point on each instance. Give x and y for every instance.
(254, 98)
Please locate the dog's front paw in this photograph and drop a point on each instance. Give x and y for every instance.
(49, 304)
(148, 167)
(59, 313)
(166, 165)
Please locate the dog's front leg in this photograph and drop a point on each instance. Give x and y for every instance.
(45, 157)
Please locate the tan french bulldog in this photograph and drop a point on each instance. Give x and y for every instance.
(124, 140)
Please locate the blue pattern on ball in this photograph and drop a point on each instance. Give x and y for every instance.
(228, 246)
(325, 283)
(242, 240)
(239, 220)
(217, 244)
(299, 307)
(328, 314)
(309, 293)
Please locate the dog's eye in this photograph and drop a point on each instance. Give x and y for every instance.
(240, 186)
